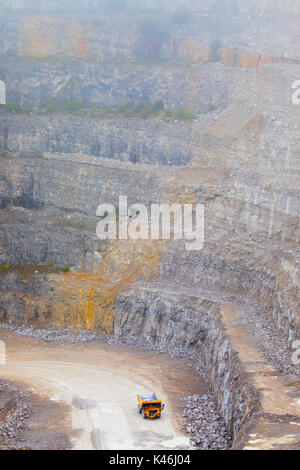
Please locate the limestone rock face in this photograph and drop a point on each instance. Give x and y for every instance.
(89, 29)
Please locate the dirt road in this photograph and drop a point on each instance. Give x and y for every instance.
(99, 384)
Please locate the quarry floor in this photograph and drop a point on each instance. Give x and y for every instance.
(87, 394)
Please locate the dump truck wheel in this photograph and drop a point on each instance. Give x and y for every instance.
(139, 409)
(144, 414)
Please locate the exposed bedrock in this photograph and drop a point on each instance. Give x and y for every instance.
(120, 139)
(50, 217)
(112, 82)
(197, 323)
(191, 324)
(254, 26)
(259, 405)
(49, 205)
(252, 111)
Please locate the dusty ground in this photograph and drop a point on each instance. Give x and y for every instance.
(28, 421)
(96, 386)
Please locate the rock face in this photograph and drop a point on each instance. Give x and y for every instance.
(269, 28)
(237, 154)
(190, 325)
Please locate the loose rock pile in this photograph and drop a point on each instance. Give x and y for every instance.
(272, 344)
(14, 410)
(59, 336)
(205, 424)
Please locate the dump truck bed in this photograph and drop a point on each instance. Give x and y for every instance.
(148, 399)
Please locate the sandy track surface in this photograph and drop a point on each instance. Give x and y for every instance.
(99, 383)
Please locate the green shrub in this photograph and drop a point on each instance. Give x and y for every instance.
(122, 108)
(6, 266)
(52, 106)
(74, 106)
(28, 108)
(66, 269)
(183, 115)
(13, 107)
(50, 264)
(145, 112)
(127, 110)
(158, 106)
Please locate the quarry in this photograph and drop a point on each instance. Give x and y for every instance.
(182, 102)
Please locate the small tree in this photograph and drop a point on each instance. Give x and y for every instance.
(13, 107)
(74, 106)
(158, 106)
(28, 108)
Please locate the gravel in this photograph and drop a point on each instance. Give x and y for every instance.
(205, 424)
(14, 410)
(272, 343)
(55, 336)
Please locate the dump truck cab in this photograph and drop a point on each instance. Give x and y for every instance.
(150, 406)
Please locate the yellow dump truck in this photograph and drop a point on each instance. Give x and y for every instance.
(150, 406)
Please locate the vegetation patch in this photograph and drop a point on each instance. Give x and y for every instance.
(27, 270)
(16, 108)
(77, 225)
(141, 110)
(4, 269)
(127, 110)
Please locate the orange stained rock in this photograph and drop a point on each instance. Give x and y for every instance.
(193, 51)
(131, 259)
(227, 55)
(206, 53)
(84, 301)
(83, 49)
(132, 38)
(78, 43)
(87, 301)
(244, 59)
